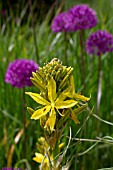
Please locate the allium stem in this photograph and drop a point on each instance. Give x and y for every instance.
(82, 58)
(99, 84)
(98, 103)
(66, 47)
(24, 119)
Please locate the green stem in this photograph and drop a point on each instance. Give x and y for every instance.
(82, 58)
(56, 152)
(82, 64)
(99, 85)
(98, 105)
(24, 119)
(66, 48)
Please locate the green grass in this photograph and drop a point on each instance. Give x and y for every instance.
(16, 41)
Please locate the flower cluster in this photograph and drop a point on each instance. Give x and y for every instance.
(99, 43)
(80, 17)
(84, 17)
(19, 72)
(58, 103)
(57, 95)
(43, 148)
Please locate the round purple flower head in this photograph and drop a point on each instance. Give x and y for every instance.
(19, 72)
(63, 22)
(83, 16)
(99, 43)
(11, 169)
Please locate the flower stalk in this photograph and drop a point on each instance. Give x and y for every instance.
(82, 58)
(59, 103)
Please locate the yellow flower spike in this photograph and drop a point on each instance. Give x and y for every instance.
(58, 103)
(57, 94)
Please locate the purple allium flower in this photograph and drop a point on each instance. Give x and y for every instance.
(83, 16)
(11, 169)
(63, 23)
(19, 72)
(99, 43)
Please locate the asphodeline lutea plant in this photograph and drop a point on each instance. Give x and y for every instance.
(58, 102)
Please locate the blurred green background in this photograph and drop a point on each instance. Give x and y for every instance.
(25, 32)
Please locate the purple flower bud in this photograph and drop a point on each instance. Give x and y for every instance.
(99, 43)
(19, 72)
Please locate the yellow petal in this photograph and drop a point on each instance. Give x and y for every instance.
(51, 120)
(80, 97)
(51, 89)
(39, 157)
(61, 145)
(40, 112)
(38, 98)
(65, 104)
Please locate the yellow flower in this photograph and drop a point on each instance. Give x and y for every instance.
(44, 161)
(45, 155)
(53, 103)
